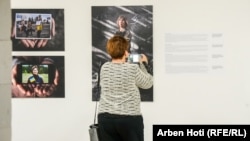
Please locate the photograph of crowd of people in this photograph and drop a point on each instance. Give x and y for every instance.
(37, 76)
(135, 24)
(33, 26)
(37, 30)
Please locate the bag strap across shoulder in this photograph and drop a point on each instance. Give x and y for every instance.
(98, 87)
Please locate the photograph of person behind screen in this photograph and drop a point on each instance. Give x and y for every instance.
(35, 78)
(53, 87)
(119, 114)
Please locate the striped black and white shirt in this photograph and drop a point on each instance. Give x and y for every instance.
(120, 83)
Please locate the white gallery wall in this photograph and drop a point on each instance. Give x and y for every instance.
(206, 84)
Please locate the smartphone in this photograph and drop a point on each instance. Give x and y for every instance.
(134, 58)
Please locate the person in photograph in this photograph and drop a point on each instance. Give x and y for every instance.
(29, 30)
(23, 26)
(119, 114)
(39, 26)
(53, 89)
(123, 30)
(35, 78)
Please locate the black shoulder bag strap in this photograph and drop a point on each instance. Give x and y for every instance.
(99, 92)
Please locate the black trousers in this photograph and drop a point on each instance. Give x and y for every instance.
(120, 127)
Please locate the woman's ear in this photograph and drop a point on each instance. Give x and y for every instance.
(126, 54)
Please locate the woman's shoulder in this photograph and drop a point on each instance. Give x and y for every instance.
(106, 64)
(132, 66)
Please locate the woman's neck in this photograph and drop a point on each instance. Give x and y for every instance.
(119, 61)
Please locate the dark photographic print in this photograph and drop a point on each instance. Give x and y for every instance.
(37, 77)
(139, 33)
(37, 30)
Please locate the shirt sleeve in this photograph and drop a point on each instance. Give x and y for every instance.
(143, 79)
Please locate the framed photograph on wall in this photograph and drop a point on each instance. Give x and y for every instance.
(38, 77)
(37, 30)
(139, 26)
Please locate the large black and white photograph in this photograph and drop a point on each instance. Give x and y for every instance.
(37, 30)
(137, 22)
(38, 77)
